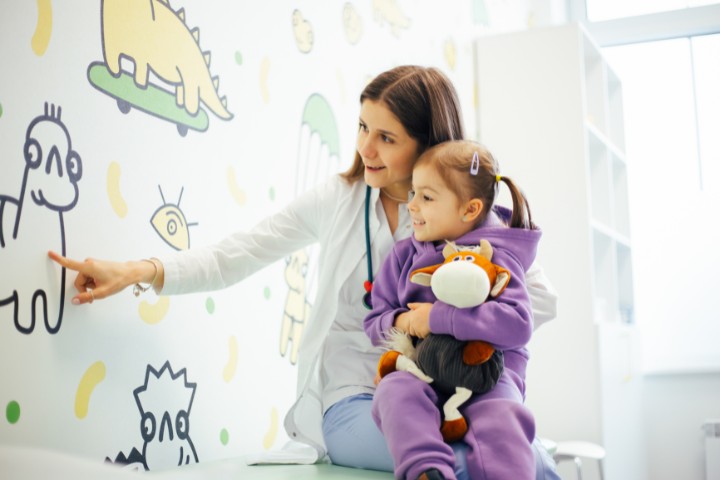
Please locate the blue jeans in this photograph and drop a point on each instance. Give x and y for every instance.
(353, 440)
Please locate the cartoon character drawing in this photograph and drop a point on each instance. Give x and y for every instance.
(156, 39)
(34, 223)
(169, 222)
(164, 402)
(303, 32)
(297, 308)
(389, 11)
(352, 23)
(318, 157)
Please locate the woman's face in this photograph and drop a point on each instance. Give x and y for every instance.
(386, 149)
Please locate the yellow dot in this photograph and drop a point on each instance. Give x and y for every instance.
(153, 314)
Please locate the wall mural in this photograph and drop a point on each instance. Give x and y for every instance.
(132, 366)
(33, 222)
(155, 38)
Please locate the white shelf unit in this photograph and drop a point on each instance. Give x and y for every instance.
(550, 110)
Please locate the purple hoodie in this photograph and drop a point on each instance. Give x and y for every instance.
(505, 321)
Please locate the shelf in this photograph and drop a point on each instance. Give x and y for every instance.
(616, 121)
(594, 69)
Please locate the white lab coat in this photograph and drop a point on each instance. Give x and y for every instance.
(331, 214)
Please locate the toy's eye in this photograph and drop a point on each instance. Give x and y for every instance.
(469, 258)
(457, 259)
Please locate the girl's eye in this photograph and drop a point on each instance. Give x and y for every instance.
(427, 199)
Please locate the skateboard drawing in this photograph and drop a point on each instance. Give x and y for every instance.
(153, 100)
(155, 39)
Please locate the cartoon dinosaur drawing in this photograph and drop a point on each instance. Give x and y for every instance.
(155, 38)
(33, 223)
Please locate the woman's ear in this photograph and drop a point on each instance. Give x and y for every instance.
(473, 209)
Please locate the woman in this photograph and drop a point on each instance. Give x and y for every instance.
(403, 112)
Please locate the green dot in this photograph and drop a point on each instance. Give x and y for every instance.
(12, 411)
(224, 436)
(0, 109)
(238, 58)
(271, 193)
(266, 293)
(210, 305)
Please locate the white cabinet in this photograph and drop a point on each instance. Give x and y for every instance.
(550, 110)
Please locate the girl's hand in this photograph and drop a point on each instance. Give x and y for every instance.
(419, 319)
(97, 279)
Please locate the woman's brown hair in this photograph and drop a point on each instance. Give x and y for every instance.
(423, 99)
(470, 170)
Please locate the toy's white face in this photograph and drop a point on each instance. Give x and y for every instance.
(435, 209)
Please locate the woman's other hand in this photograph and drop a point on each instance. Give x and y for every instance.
(97, 279)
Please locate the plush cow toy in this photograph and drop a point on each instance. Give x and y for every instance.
(459, 368)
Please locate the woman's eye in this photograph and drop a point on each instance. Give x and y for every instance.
(362, 127)
(387, 139)
(411, 195)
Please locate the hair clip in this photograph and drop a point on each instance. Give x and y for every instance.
(475, 165)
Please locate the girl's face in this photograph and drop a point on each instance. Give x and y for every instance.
(436, 211)
(386, 149)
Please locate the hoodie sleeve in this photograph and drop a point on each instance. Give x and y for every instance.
(506, 321)
(386, 303)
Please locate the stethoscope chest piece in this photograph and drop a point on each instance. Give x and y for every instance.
(367, 298)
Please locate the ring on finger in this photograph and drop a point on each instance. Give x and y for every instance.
(92, 295)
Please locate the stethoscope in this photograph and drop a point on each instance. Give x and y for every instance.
(367, 298)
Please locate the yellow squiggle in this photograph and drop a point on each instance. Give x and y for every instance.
(113, 188)
(43, 28)
(264, 75)
(231, 365)
(237, 193)
(153, 314)
(271, 434)
(92, 376)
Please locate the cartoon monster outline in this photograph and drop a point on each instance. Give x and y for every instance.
(49, 157)
(169, 222)
(163, 391)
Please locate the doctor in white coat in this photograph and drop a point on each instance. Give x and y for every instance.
(355, 217)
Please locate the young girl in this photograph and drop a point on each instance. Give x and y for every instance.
(454, 189)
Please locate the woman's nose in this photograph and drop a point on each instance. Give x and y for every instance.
(366, 147)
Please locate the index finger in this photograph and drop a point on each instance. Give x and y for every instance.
(65, 262)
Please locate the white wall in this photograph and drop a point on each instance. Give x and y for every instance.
(70, 387)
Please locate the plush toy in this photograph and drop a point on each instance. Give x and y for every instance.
(458, 368)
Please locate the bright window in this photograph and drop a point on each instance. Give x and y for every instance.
(599, 10)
